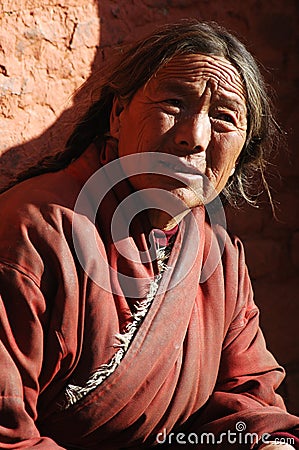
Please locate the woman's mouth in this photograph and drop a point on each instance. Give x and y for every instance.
(179, 166)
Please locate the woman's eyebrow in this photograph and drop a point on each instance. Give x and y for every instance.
(177, 87)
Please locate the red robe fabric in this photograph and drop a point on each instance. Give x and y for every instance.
(198, 363)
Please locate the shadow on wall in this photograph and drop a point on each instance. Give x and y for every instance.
(16, 161)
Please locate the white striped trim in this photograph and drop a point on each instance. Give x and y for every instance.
(74, 393)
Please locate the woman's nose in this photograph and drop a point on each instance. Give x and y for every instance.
(193, 133)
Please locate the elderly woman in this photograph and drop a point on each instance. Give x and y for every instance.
(127, 315)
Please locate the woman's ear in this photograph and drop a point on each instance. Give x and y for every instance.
(115, 117)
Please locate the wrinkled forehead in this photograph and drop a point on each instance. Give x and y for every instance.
(196, 69)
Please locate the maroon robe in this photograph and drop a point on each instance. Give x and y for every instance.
(197, 364)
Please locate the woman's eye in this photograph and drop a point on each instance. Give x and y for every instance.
(173, 102)
(224, 117)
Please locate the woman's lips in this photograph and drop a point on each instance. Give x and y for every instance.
(179, 167)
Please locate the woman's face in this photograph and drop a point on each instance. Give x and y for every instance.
(193, 108)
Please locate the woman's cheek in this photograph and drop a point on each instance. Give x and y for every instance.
(228, 147)
(167, 122)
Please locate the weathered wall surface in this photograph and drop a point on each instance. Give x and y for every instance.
(46, 51)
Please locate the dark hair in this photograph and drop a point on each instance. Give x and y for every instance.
(135, 66)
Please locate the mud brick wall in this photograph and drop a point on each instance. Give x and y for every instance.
(47, 49)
